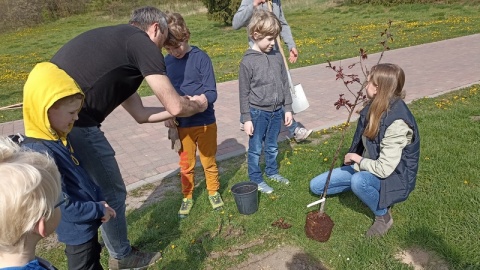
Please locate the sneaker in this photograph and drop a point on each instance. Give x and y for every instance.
(185, 208)
(241, 127)
(136, 260)
(264, 188)
(216, 201)
(301, 134)
(278, 178)
(381, 225)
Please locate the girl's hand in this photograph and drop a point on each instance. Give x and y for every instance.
(351, 158)
(248, 128)
(288, 119)
(109, 213)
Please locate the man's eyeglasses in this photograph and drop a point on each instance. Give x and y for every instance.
(63, 200)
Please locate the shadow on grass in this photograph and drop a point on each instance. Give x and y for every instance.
(352, 202)
(429, 240)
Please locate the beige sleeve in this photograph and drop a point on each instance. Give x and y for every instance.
(397, 136)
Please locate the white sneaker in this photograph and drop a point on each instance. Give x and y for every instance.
(301, 134)
(264, 188)
(241, 127)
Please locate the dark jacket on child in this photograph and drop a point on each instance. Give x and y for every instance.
(397, 186)
(81, 216)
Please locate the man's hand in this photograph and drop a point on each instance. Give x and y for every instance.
(256, 3)
(248, 128)
(201, 100)
(293, 55)
(288, 119)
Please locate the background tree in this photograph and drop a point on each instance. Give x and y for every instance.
(222, 10)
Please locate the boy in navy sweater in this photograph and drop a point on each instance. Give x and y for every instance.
(191, 72)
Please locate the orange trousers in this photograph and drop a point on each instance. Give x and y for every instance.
(205, 138)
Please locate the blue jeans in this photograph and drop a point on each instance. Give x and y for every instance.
(266, 128)
(291, 128)
(364, 185)
(97, 157)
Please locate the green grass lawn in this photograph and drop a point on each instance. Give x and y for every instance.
(322, 30)
(441, 215)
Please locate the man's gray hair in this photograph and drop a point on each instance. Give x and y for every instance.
(144, 17)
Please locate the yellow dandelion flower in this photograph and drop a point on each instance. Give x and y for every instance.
(325, 159)
(465, 182)
(172, 246)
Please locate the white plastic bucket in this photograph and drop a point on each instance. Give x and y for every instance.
(300, 102)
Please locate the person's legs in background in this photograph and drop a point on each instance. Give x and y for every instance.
(97, 157)
(297, 132)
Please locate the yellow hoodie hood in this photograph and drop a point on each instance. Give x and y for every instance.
(45, 85)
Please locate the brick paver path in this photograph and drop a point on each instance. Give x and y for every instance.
(143, 151)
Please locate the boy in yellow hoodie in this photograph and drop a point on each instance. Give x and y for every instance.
(51, 102)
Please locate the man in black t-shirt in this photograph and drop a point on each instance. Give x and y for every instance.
(109, 64)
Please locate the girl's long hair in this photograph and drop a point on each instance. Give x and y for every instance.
(389, 80)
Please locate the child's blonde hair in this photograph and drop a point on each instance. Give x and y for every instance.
(67, 100)
(389, 80)
(177, 30)
(264, 23)
(29, 189)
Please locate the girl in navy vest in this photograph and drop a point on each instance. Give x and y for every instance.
(382, 163)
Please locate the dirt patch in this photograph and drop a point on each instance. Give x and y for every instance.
(422, 259)
(282, 258)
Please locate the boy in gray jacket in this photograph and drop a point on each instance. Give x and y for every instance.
(241, 19)
(264, 95)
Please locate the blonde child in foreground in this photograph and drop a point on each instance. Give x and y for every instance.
(191, 72)
(264, 95)
(382, 163)
(30, 193)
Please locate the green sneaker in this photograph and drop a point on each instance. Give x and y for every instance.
(185, 208)
(216, 201)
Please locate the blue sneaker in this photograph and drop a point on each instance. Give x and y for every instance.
(264, 188)
(278, 178)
